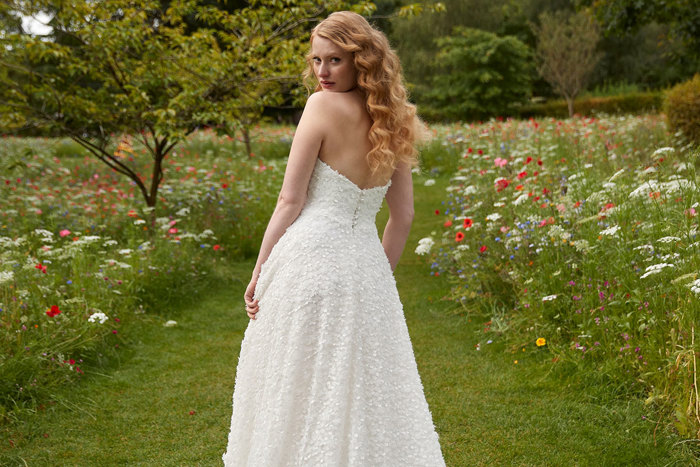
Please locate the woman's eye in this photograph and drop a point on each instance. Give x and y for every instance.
(335, 59)
(316, 59)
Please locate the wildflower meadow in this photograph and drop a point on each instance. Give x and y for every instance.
(578, 238)
(82, 258)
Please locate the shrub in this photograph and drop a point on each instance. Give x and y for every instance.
(633, 103)
(478, 74)
(682, 108)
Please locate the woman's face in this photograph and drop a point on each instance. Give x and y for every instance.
(333, 67)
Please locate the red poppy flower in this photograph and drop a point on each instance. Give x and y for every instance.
(448, 223)
(459, 237)
(53, 311)
(539, 162)
(437, 212)
(468, 223)
(217, 247)
(481, 152)
(522, 174)
(502, 184)
(483, 248)
(528, 160)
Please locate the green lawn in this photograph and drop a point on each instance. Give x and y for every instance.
(488, 410)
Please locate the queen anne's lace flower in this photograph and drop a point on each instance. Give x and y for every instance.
(424, 245)
(98, 316)
(695, 286)
(610, 231)
(6, 276)
(470, 190)
(662, 151)
(655, 269)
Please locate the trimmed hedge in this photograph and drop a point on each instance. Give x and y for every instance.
(682, 108)
(633, 103)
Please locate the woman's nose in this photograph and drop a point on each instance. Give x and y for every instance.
(323, 70)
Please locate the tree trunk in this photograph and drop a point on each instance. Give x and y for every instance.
(246, 140)
(570, 104)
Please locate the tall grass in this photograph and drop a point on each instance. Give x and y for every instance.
(580, 236)
(82, 258)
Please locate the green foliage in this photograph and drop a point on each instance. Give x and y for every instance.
(643, 58)
(632, 103)
(438, 156)
(624, 16)
(414, 36)
(477, 74)
(609, 89)
(156, 71)
(566, 52)
(102, 252)
(585, 233)
(682, 108)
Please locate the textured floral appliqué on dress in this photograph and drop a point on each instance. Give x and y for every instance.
(326, 374)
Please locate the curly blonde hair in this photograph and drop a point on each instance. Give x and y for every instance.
(395, 126)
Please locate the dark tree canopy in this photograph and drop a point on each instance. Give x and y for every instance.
(155, 70)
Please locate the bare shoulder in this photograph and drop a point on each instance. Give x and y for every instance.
(335, 105)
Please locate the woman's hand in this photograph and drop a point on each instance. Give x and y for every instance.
(251, 306)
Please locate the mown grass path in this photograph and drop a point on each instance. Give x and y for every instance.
(487, 409)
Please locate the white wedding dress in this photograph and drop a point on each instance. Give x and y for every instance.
(326, 374)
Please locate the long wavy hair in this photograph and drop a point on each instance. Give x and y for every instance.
(395, 126)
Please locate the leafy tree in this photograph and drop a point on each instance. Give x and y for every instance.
(566, 52)
(154, 70)
(414, 36)
(627, 16)
(479, 74)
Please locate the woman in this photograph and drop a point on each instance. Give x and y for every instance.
(326, 374)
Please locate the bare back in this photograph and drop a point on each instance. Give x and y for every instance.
(347, 144)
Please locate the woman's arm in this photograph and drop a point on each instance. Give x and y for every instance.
(302, 157)
(399, 198)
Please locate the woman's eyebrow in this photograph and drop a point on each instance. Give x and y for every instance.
(333, 53)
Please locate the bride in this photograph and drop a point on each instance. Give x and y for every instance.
(326, 374)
